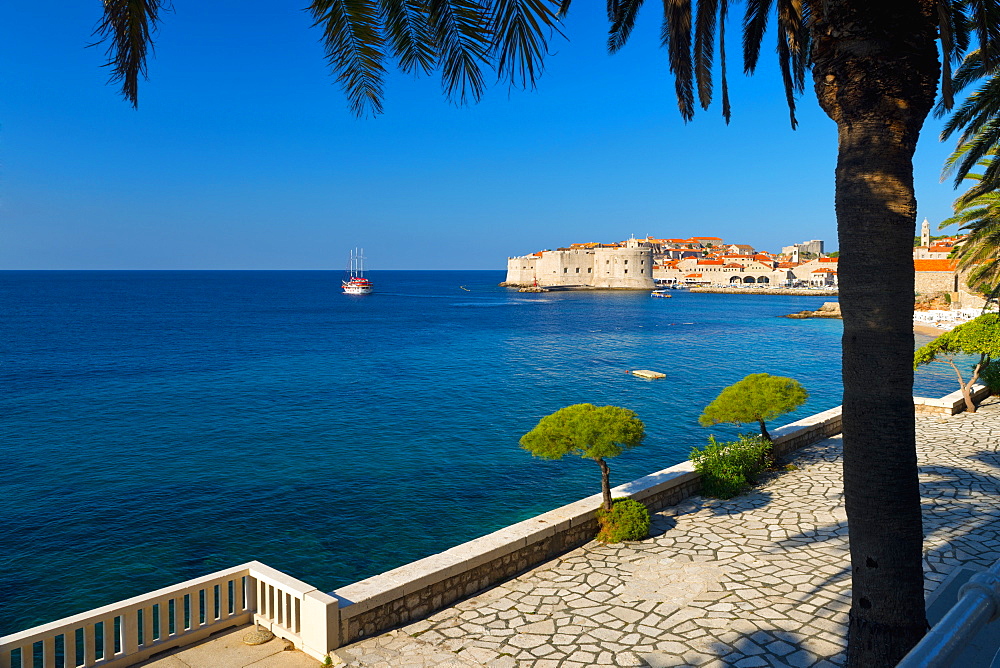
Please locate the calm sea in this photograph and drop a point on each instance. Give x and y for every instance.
(157, 426)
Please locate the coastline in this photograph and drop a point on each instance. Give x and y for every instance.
(929, 330)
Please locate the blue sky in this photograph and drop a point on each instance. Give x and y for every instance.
(244, 155)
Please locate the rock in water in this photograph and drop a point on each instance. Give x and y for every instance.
(827, 310)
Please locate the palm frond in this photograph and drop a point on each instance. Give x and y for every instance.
(723, 15)
(353, 42)
(622, 15)
(704, 48)
(970, 152)
(675, 36)
(974, 111)
(408, 34)
(128, 26)
(982, 17)
(972, 69)
(754, 27)
(979, 216)
(461, 31)
(792, 40)
(519, 30)
(945, 32)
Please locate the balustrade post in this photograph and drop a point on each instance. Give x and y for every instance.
(130, 631)
(89, 644)
(209, 604)
(49, 652)
(320, 621)
(248, 593)
(28, 655)
(69, 648)
(148, 627)
(109, 638)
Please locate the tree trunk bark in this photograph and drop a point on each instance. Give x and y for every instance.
(763, 431)
(605, 483)
(876, 72)
(970, 407)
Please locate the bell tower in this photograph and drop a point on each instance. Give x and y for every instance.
(925, 234)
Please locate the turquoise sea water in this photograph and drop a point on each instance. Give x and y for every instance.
(157, 426)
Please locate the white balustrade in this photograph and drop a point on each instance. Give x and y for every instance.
(130, 631)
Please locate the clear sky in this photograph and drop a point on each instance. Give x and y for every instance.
(244, 155)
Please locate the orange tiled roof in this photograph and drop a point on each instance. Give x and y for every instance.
(710, 262)
(823, 271)
(709, 238)
(829, 259)
(693, 276)
(733, 265)
(933, 265)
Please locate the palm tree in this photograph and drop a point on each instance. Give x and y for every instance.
(876, 73)
(979, 253)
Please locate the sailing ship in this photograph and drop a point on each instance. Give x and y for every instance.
(356, 283)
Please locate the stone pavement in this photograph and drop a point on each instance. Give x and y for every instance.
(760, 580)
(227, 650)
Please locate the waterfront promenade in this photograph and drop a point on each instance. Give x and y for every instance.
(760, 580)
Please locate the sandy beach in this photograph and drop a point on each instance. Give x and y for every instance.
(928, 330)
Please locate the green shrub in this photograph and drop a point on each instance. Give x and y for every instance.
(727, 469)
(627, 520)
(990, 375)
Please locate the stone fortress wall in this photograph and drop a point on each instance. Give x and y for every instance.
(629, 268)
(929, 282)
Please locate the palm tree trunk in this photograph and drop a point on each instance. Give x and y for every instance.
(605, 483)
(876, 72)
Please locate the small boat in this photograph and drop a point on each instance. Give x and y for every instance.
(356, 283)
(660, 293)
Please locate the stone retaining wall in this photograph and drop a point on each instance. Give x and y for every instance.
(949, 404)
(417, 589)
(791, 437)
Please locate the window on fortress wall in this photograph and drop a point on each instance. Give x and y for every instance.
(565, 270)
(578, 270)
(626, 261)
(589, 269)
(626, 271)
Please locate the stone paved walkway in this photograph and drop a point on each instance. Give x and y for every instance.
(227, 650)
(760, 580)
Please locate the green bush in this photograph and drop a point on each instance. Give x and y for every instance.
(727, 469)
(990, 375)
(627, 520)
